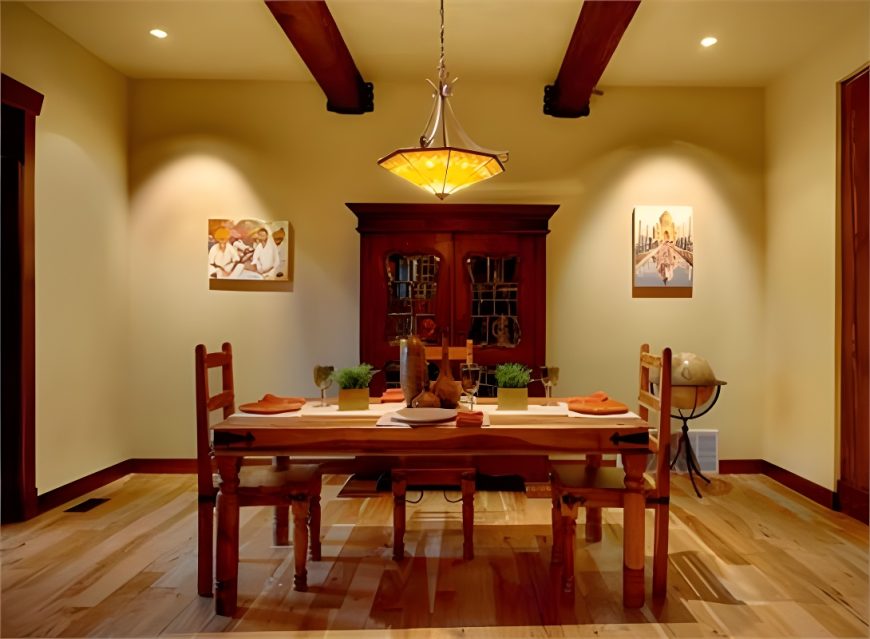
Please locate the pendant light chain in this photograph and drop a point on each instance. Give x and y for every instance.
(442, 62)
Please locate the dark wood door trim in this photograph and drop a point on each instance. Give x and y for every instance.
(23, 458)
(852, 485)
(597, 33)
(311, 29)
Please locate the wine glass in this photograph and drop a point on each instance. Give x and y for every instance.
(469, 378)
(323, 380)
(550, 377)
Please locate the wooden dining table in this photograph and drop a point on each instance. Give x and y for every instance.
(534, 433)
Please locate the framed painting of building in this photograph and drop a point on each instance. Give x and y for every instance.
(249, 254)
(663, 251)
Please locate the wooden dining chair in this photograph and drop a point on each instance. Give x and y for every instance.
(451, 472)
(282, 485)
(594, 487)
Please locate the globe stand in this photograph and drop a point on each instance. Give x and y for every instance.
(685, 445)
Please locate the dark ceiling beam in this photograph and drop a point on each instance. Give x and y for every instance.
(596, 35)
(311, 29)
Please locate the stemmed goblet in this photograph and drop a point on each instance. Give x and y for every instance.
(549, 377)
(469, 378)
(323, 380)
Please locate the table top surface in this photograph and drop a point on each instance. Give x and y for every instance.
(327, 430)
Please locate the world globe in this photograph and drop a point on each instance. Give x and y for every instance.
(692, 381)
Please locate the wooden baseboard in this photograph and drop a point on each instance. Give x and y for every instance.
(79, 487)
(741, 466)
(164, 466)
(805, 487)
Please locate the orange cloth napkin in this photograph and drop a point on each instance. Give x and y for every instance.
(469, 419)
(393, 395)
(598, 403)
(271, 404)
(269, 397)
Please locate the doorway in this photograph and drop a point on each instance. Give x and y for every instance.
(20, 106)
(852, 485)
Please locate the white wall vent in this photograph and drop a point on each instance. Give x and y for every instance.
(705, 443)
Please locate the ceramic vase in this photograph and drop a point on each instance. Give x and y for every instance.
(445, 387)
(413, 376)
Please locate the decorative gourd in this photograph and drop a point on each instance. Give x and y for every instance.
(426, 399)
(445, 387)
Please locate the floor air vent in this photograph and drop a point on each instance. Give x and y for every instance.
(86, 505)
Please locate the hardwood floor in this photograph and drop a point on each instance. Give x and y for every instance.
(750, 559)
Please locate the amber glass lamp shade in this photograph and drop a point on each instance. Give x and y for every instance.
(442, 170)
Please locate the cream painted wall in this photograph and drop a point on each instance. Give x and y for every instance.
(801, 425)
(233, 149)
(81, 244)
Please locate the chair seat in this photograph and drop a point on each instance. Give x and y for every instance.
(303, 477)
(574, 478)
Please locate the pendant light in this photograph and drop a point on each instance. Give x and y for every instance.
(447, 160)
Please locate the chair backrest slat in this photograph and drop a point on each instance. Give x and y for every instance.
(649, 401)
(454, 353)
(206, 403)
(221, 400)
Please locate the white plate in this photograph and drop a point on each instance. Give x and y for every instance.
(425, 415)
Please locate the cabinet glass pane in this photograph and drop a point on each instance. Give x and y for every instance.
(494, 300)
(412, 285)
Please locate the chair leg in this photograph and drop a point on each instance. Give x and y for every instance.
(660, 550)
(300, 543)
(314, 526)
(281, 526)
(569, 532)
(205, 547)
(556, 519)
(281, 522)
(468, 516)
(399, 488)
(593, 524)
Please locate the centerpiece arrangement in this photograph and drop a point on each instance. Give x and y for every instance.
(513, 381)
(353, 383)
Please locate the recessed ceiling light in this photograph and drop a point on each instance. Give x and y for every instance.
(709, 41)
(160, 33)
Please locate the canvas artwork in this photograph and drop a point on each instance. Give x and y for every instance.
(663, 251)
(248, 250)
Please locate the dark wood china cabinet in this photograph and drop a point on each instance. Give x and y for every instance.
(465, 271)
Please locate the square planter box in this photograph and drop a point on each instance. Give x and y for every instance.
(353, 399)
(513, 398)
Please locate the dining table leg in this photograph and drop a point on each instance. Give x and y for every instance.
(633, 531)
(227, 548)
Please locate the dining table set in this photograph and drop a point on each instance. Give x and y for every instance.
(317, 428)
